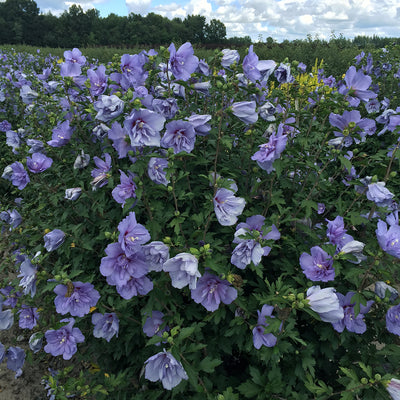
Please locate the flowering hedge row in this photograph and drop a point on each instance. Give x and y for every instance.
(218, 228)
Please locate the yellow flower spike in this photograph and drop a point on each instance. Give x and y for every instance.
(92, 309)
(47, 230)
(60, 61)
(106, 375)
(72, 244)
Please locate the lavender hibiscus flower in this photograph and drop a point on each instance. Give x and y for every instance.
(378, 193)
(108, 107)
(77, 298)
(119, 268)
(28, 317)
(389, 239)
(63, 341)
(125, 190)
(351, 322)
(134, 287)
(98, 80)
(336, 231)
(393, 388)
(212, 290)
(6, 318)
(250, 63)
(156, 254)
(271, 151)
(250, 250)
(100, 174)
(245, 252)
(120, 139)
(73, 193)
(132, 234)
(38, 163)
(143, 127)
(183, 270)
(245, 111)
(27, 273)
(156, 170)
(152, 325)
(351, 123)
(200, 123)
(393, 320)
(54, 239)
(180, 136)
(259, 337)
(73, 63)
(326, 303)
(229, 57)
(61, 135)
(227, 207)
(356, 87)
(105, 326)
(318, 266)
(283, 74)
(15, 359)
(165, 368)
(182, 62)
(17, 174)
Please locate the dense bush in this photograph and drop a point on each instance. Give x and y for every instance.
(227, 227)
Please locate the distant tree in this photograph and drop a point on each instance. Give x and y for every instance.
(135, 29)
(238, 41)
(73, 27)
(19, 21)
(113, 31)
(215, 31)
(195, 26)
(157, 29)
(270, 41)
(92, 17)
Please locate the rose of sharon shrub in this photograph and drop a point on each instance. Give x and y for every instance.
(146, 198)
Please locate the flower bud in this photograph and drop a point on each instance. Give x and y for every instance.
(73, 193)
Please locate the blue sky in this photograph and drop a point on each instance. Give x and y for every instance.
(280, 19)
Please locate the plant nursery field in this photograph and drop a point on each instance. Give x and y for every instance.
(220, 226)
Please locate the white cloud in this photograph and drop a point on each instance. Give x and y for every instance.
(138, 6)
(306, 19)
(198, 7)
(193, 7)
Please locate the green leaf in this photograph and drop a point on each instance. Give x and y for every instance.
(345, 163)
(249, 389)
(186, 332)
(358, 298)
(258, 378)
(350, 373)
(366, 368)
(208, 364)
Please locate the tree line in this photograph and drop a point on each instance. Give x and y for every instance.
(21, 22)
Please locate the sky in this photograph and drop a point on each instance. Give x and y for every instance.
(259, 19)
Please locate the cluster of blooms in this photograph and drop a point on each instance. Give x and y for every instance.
(250, 250)
(152, 125)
